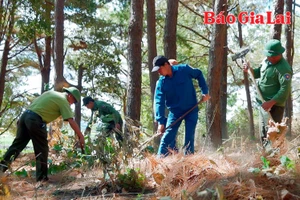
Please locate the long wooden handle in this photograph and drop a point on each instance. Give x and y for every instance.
(180, 118)
(258, 91)
(187, 112)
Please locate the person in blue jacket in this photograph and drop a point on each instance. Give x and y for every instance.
(175, 90)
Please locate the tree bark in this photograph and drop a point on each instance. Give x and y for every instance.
(289, 46)
(60, 81)
(151, 36)
(3, 68)
(279, 7)
(6, 50)
(247, 89)
(215, 72)
(224, 90)
(170, 29)
(152, 52)
(135, 60)
(45, 69)
(78, 104)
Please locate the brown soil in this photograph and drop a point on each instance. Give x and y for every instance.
(222, 174)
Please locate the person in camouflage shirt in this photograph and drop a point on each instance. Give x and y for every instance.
(275, 77)
(108, 115)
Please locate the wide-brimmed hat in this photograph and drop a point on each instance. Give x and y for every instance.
(74, 91)
(273, 48)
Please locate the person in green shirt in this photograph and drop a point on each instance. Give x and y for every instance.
(32, 126)
(108, 115)
(275, 77)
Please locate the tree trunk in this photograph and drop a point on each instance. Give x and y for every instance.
(135, 60)
(224, 90)
(78, 104)
(3, 68)
(279, 6)
(289, 34)
(247, 89)
(60, 81)
(215, 72)
(6, 50)
(45, 69)
(170, 29)
(151, 36)
(152, 52)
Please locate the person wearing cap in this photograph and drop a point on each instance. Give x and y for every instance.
(108, 115)
(275, 77)
(32, 126)
(176, 92)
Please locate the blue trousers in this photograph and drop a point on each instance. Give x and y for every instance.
(168, 140)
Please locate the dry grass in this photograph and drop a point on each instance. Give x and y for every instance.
(208, 174)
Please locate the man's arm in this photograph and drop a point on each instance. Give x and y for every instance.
(198, 75)
(76, 128)
(159, 104)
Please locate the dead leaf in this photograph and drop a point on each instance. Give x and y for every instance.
(158, 178)
(213, 162)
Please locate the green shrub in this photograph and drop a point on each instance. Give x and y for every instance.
(132, 181)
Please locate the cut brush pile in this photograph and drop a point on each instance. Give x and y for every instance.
(242, 175)
(243, 172)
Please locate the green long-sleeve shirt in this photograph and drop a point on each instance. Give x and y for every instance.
(274, 80)
(106, 112)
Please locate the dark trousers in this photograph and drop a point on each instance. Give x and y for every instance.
(277, 115)
(30, 127)
(118, 133)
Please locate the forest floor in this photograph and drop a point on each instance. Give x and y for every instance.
(239, 170)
